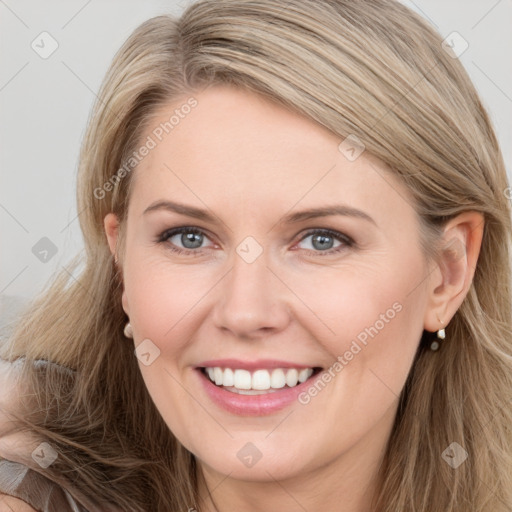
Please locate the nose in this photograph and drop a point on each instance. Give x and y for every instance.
(253, 301)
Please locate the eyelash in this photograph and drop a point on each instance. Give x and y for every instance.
(169, 233)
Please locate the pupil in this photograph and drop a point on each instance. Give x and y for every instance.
(323, 240)
(191, 240)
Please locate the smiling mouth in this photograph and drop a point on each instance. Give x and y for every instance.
(258, 382)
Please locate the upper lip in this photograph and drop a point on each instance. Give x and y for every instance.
(259, 364)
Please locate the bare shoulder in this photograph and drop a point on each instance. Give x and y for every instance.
(11, 504)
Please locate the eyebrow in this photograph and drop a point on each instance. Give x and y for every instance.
(291, 218)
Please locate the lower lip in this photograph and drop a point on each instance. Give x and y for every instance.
(253, 405)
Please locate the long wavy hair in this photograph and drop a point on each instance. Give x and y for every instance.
(369, 68)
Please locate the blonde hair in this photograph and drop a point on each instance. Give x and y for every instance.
(373, 69)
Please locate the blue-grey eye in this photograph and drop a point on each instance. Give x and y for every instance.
(183, 238)
(190, 239)
(321, 241)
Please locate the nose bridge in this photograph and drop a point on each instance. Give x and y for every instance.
(251, 296)
(249, 274)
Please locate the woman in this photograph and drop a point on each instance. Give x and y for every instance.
(296, 292)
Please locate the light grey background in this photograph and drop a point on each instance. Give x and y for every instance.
(45, 104)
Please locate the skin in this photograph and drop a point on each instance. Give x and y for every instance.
(10, 504)
(251, 162)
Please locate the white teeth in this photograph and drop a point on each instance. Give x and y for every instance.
(250, 391)
(242, 379)
(258, 381)
(278, 379)
(228, 377)
(292, 376)
(217, 374)
(304, 375)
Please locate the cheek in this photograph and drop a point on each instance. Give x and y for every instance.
(370, 321)
(370, 303)
(162, 299)
(372, 352)
(161, 310)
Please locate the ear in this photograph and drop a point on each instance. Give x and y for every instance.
(451, 279)
(111, 225)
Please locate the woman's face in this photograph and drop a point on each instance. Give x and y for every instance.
(296, 254)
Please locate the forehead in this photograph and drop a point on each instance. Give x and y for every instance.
(238, 149)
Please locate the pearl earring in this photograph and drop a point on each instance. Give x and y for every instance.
(441, 335)
(128, 331)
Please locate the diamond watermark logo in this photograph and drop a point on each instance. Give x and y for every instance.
(352, 147)
(44, 250)
(454, 455)
(147, 352)
(44, 45)
(249, 455)
(44, 455)
(249, 249)
(454, 45)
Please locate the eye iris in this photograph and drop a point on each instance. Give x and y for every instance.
(324, 241)
(195, 239)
